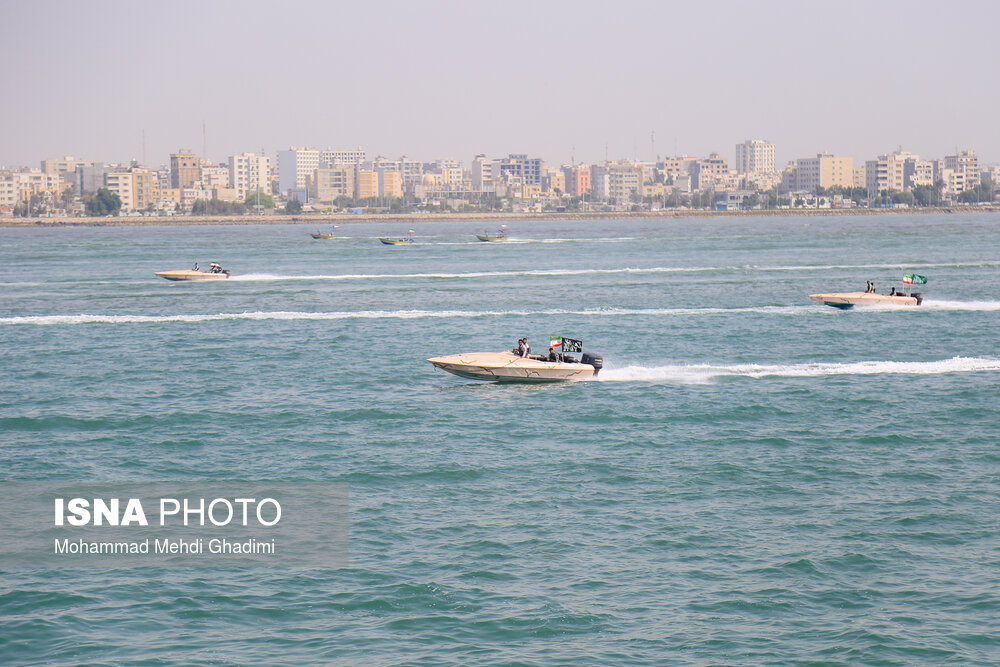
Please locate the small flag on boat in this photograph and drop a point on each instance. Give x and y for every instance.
(572, 345)
(503, 226)
(914, 279)
(412, 232)
(554, 342)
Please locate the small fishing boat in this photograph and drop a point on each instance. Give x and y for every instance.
(215, 272)
(512, 367)
(847, 300)
(499, 235)
(388, 241)
(321, 235)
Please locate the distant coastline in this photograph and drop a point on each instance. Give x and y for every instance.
(415, 218)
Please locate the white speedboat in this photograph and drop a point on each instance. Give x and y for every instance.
(845, 300)
(215, 272)
(512, 367)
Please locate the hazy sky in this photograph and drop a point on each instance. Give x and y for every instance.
(451, 79)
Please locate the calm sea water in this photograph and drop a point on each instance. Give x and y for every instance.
(754, 478)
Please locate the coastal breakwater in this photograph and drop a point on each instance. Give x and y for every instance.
(416, 218)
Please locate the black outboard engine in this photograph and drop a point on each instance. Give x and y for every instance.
(919, 297)
(595, 360)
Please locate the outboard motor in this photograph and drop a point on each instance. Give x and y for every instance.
(595, 360)
(919, 297)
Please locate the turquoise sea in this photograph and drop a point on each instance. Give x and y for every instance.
(753, 479)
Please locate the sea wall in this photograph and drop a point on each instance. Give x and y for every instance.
(416, 218)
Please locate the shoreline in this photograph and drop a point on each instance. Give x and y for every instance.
(138, 221)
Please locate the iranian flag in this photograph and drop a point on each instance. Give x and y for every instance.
(914, 279)
(554, 342)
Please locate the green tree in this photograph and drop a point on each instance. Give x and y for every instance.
(926, 195)
(905, 197)
(217, 207)
(262, 198)
(104, 202)
(293, 207)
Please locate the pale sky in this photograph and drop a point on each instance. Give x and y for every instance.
(557, 80)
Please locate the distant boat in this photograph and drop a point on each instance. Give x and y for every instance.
(387, 241)
(499, 235)
(321, 235)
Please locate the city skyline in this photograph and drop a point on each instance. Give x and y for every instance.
(114, 81)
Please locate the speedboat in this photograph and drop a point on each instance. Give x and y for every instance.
(845, 300)
(215, 272)
(512, 367)
(500, 235)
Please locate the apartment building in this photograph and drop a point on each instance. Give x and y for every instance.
(707, 173)
(554, 182)
(248, 173)
(365, 184)
(485, 173)
(520, 165)
(823, 171)
(617, 182)
(332, 158)
(145, 189)
(333, 182)
(66, 167)
(214, 176)
(296, 167)
(897, 172)
(121, 184)
(390, 183)
(90, 177)
(577, 179)
(966, 162)
(755, 156)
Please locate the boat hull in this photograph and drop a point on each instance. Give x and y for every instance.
(191, 275)
(508, 367)
(396, 241)
(323, 236)
(491, 239)
(847, 300)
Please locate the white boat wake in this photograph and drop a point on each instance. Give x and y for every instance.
(704, 373)
(377, 315)
(84, 318)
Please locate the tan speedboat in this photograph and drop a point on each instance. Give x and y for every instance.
(191, 274)
(509, 367)
(845, 300)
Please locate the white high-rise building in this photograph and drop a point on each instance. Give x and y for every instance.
(333, 158)
(485, 173)
(296, 167)
(755, 156)
(249, 172)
